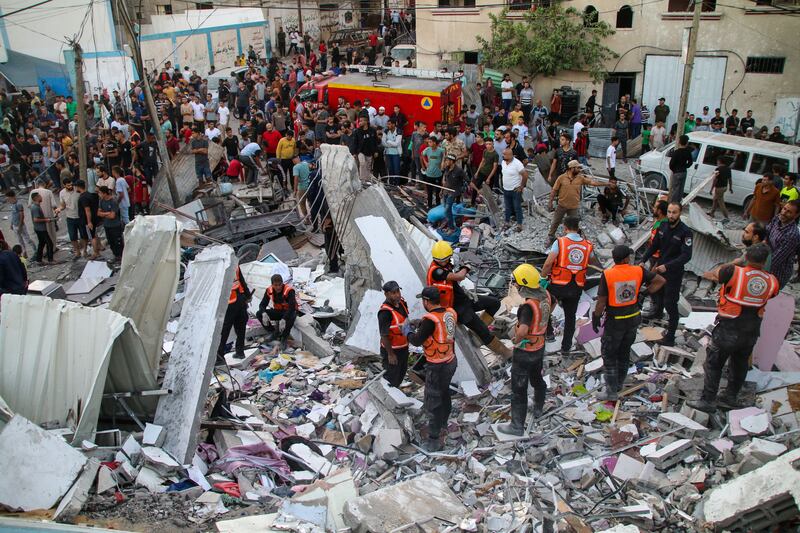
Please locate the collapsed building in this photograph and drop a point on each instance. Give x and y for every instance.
(131, 423)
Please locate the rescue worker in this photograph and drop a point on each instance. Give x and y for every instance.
(743, 295)
(436, 333)
(393, 326)
(618, 296)
(566, 266)
(235, 317)
(753, 233)
(673, 242)
(528, 357)
(443, 276)
(284, 307)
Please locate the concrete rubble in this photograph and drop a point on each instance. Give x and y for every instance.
(311, 438)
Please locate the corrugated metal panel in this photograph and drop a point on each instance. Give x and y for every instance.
(58, 357)
(663, 76)
(708, 253)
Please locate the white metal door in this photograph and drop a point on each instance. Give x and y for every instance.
(663, 76)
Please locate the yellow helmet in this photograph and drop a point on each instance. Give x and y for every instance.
(441, 251)
(527, 276)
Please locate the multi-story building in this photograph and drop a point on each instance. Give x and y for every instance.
(745, 56)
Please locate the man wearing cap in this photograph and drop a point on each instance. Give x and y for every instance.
(393, 327)
(568, 190)
(661, 111)
(284, 307)
(673, 242)
(566, 266)
(528, 357)
(619, 297)
(743, 294)
(436, 333)
(447, 280)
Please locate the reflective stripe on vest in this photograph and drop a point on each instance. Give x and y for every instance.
(440, 346)
(282, 306)
(396, 337)
(237, 287)
(748, 287)
(538, 327)
(624, 282)
(572, 261)
(445, 287)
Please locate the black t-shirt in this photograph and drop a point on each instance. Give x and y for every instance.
(126, 153)
(717, 121)
(614, 197)
(681, 159)
(110, 147)
(87, 199)
(602, 290)
(148, 151)
(747, 123)
(459, 296)
(35, 151)
(454, 179)
(331, 129)
(723, 177)
(563, 158)
(231, 145)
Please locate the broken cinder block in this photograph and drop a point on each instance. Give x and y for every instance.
(672, 454)
(688, 427)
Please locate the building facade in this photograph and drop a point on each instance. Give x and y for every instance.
(745, 59)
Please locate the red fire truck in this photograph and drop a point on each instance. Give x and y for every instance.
(422, 95)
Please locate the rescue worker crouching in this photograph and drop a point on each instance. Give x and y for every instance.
(743, 295)
(393, 326)
(528, 358)
(443, 276)
(436, 333)
(284, 307)
(235, 317)
(566, 266)
(619, 297)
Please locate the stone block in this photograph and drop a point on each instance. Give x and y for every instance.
(688, 427)
(672, 454)
(414, 500)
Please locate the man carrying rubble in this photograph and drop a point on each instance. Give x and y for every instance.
(618, 296)
(566, 266)
(393, 326)
(526, 363)
(235, 317)
(673, 241)
(436, 333)
(446, 279)
(284, 307)
(743, 295)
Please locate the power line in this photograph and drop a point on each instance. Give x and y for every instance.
(20, 10)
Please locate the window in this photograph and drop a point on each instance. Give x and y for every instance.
(164, 9)
(456, 3)
(204, 5)
(590, 16)
(736, 159)
(762, 164)
(519, 5)
(677, 6)
(765, 65)
(470, 58)
(763, 2)
(625, 17)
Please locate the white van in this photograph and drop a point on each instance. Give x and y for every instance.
(749, 160)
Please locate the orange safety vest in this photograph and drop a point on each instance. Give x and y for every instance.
(748, 287)
(440, 346)
(624, 282)
(445, 287)
(572, 261)
(237, 288)
(282, 306)
(396, 337)
(538, 327)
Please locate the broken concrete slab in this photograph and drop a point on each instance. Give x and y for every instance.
(778, 315)
(688, 427)
(153, 435)
(159, 460)
(416, 500)
(105, 480)
(74, 500)
(756, 424)
(322, 503)
(763, 449)
(151, 480)
(305, 332)
(247, 524)
(208, 281)
(37, 467)
(757, 500)
(627, 468)
(671, 454)
(735, 417)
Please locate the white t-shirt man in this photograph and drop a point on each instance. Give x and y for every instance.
(512, 173)
(506, 86)
(611, 156)
(522, 132)
(213, 133)
(198, 111)
(224, 112)
(576, 129)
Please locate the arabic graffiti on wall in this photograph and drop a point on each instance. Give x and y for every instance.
(224, 46)
(786, 115)
(253, 37)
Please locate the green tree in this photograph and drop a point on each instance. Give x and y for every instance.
(547, 40)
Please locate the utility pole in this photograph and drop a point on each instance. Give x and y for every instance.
(151, 104)
(300, 19)
(80, 110)
(689, 66)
